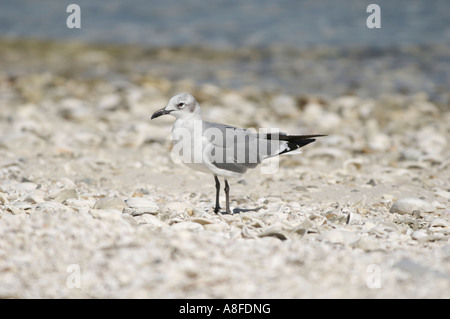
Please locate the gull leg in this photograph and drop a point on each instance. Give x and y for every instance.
(227, 196)
(217, 208)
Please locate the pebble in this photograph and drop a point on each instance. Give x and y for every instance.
(409, 205)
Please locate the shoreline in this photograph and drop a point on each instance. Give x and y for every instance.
(326, 72)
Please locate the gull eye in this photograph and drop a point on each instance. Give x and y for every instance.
(180, 105)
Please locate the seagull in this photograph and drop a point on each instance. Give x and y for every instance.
(222, 150)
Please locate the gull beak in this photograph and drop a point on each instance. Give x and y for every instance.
(160, 112)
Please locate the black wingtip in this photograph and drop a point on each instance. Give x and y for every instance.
(285, 137)
(306, 136)
(297, 141)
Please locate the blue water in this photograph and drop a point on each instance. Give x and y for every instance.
(368, 62)
(232, 23)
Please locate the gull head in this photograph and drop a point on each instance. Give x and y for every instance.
(182, 106)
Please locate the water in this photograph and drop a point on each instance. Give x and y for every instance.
(232, 23)
(367, 61)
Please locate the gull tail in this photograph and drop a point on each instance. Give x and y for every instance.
(294, 142)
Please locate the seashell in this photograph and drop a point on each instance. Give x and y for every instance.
(357, 162)
(354, 219)
(306, 226)
(79, 204)
(318, 220)
(149, 219)
(14, 210)
(138, 202)
(178, 207)
(3, 199)
(201, 221)
(275, 231)
(418, 234)
(65, 183)
(216, 227)
(249, 233)
(432, 159)
(22, 205)
(409, 205)
(52, 207)
(61, 196)
(432, 143)
(9, 163)
(443, 193)
(438, 223)
(26, 187)
(438, 205)
(415, 165)
(139, 206)
(299, 231)
(256, 223)
(273, 207)
(108, 214)
(410, 154)
(35, 197)
(109, 203)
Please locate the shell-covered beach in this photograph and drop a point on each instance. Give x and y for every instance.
(92, 206)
